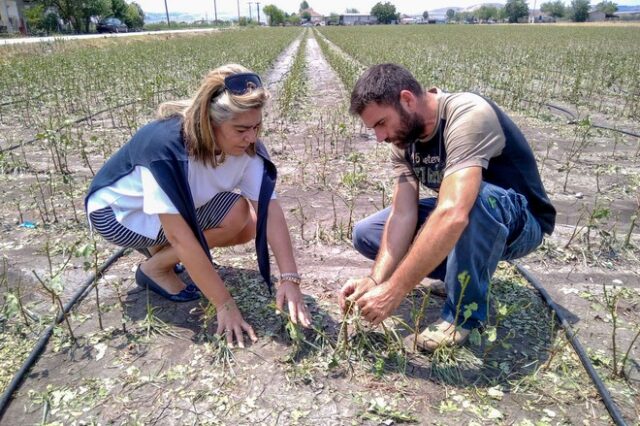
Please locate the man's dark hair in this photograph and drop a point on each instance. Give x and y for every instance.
(382, 84)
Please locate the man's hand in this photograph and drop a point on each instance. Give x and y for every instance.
(353, 290)
(290, 292)
(380, 302)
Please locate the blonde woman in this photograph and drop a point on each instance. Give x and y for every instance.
(196, 178)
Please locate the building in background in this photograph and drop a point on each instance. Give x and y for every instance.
(357, 19)
(12, 16)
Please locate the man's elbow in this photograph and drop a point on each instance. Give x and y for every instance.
(454, 217)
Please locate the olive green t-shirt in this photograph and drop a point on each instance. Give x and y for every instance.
(467, 134)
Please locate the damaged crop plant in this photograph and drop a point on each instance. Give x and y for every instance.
(122, 355)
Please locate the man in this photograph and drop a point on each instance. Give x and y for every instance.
(491, 204)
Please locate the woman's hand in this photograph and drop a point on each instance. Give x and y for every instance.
(230, 323)
(290, 292)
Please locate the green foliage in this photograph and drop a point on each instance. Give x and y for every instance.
(134, 17)
(486, 13)
(425, 15)
(79, 12)
(119, 9)
(608, 7)
(306, 16)
(451, 14)
(579, 10)
(352, 10)
(276, 15)
(385, 13)
(516, 9)
(294, 19)
(553, 8)
(304, 5)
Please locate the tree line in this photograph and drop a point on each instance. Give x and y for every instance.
(513, 11)
(45, 15)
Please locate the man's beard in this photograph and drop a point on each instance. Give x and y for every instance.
(411, 128)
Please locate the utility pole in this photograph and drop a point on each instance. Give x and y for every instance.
(215, 12)
(533, 11)
(258, 7)
(166, 9)
(238, 12)
(250, 17)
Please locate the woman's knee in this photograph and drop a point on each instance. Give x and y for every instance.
(240, 221)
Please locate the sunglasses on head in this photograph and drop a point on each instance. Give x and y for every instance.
(242, 83)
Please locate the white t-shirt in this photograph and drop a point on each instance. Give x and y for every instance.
(137, 199)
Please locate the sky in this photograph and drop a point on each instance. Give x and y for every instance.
(230, 7)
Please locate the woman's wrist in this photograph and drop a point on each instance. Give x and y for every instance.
(292, 277)
(225, 305)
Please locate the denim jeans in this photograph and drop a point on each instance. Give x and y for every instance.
(501, 227)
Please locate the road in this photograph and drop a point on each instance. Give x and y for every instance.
(26, 40)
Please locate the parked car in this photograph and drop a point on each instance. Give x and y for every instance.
(111, 25)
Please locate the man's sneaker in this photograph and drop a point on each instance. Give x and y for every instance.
(438, 334)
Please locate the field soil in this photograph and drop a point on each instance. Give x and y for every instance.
(157, 362)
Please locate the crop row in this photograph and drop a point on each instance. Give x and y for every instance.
(54, 84)
(594, 69)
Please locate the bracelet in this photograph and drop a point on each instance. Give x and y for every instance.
(373, 279)
(293, 277)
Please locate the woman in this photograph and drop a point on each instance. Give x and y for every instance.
(169, 190)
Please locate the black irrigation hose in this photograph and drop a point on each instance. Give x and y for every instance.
(46, 334)
(613, 409)
(611, 406)
(85, 118)
(573, 120)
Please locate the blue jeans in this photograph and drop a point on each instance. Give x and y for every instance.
(501, 227)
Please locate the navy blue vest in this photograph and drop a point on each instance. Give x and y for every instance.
(514, 168)
(159, 146)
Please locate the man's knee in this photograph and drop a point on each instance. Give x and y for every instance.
(364, 239)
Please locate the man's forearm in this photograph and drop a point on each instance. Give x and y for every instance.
(433, 244)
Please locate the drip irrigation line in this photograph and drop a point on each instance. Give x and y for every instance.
(46, 334)
(609, 403)
(85, 118)
(573, 119)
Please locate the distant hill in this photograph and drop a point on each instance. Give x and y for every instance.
(441, 13)
(629, 9)
(155, 17)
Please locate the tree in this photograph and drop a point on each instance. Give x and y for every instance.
(425, 15)
(119, 9)
(608, 7)
(134, 18)
(294, 19)
(451, 14)
(579, 10)
(385, 13)
(486, 13)
(502, 14)
(516, 9)
(553, 8)
(305, 16)
(304, 6)
(79, 12)
(352, 10)
(276, 16)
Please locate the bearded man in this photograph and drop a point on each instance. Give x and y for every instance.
(491, 204)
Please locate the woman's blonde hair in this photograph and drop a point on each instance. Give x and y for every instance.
(212, 103)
